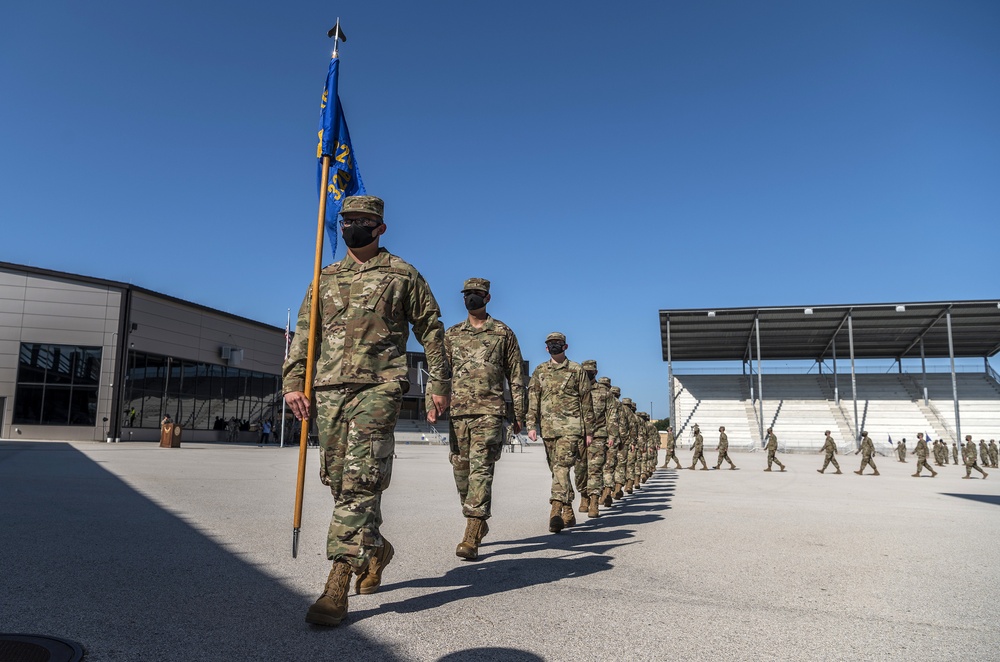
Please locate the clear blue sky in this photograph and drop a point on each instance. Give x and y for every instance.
(596, 161)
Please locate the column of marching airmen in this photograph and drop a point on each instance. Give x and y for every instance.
(970, 457)
(367, 304)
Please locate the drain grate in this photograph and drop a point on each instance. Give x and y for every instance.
(38, 648)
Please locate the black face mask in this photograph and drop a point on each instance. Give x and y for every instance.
(357, 236)
(555, 348)
(474, 301)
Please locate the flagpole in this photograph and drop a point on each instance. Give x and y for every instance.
(311, 353)
(288, 323)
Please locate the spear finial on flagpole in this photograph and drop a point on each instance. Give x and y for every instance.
(337, 35)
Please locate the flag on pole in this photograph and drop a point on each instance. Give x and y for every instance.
(335, 142)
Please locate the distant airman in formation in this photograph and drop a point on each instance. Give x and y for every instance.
(867, 450)
(829, 450)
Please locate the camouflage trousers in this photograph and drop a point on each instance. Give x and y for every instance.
(698, 456)
(630, 463)
(902, 455)
(561, 454)
(954, 456)
(829, 459)
(580, 472)
(356, 444)
(969, 466)
(724, 455)
(866, 460)
(993, 458)
(771, 458)
(621, 464)
(671, 455)
(596, 457)
(610, 464)
(921, 463)
(476, 446)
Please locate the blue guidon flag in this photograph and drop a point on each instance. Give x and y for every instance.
(335, 142)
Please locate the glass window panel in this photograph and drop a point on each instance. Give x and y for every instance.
(150, 417)
(28, 405)
(61, 371)
(83, 407)
(176, 377)
(88, 367)
(55, 406)
(29, 369)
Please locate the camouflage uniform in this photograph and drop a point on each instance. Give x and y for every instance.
(940, 453)
(600, 394)
(867, 450)
(365, 311)
(631, 443)
(984, 453)
(616, 435)
(901, 450)
(671, 453)
(954, 452)
(969, 457)
(652, 446)
(559, 406)
(724, 450)
(829, 451)
(772, 450)
(481, 360)
(641, 449)
(699, 450)
(994, 452)
(920, 450)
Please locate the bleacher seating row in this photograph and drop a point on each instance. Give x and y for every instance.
(802, 407)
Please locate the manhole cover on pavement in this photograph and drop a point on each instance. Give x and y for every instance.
(37, 648)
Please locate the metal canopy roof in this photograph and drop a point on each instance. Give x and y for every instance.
(890, 330)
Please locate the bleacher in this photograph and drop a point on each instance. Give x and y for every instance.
(801, 408)
(711, 401)
(979, 403)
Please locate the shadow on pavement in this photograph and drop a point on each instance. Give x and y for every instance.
(585, 548)
(86, 557)
(991, 499)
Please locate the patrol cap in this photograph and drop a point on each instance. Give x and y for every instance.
(643, 415)
(627, 401)
(864, 434)
(367, 204)
(615, 391)
(476, 284)
(604, 380)
(589, 364)
(555, 335)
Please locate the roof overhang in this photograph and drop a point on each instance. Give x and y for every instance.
(886, 330)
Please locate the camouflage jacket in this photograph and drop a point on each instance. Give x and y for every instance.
(614, 423)
(772, 442)
(723, 443)
(671, 442)
(559, 403)
(867, 447)
(699, 443)
(628, 426)
(921, 449)
(969, 453)
(830, 446)
(480, 360)
(654, 437)
(365, 313)
(600, 397)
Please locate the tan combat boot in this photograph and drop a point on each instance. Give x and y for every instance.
(874, 474)
(618, 491)
(584, 504)
(331, 607)
(555, 517)
(606, 497)
(469, 547)
(568, 516)
(370, 578)
(628, 486)
(593, 511)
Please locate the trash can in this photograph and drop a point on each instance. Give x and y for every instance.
(170, 435)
